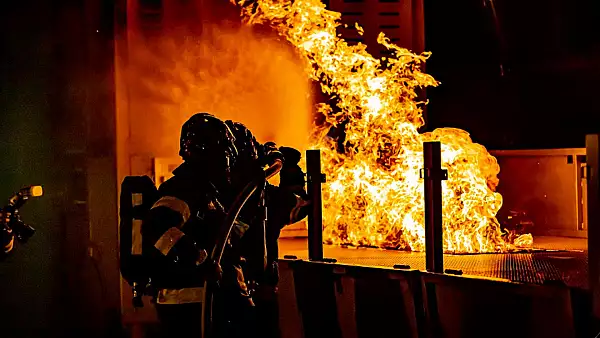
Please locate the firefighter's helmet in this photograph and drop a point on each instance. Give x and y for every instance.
(207, 140)
(245, 142)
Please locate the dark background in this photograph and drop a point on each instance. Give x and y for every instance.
(55, 116)
(56, 105)
(548, 95)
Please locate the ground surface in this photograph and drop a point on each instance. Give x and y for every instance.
(565, 260)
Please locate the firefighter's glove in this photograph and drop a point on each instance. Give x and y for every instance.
(291, 174)
(271, 153)
(292, 156)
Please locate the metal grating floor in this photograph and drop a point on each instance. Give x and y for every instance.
(537, 267)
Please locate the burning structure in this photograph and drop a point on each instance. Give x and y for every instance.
(374, 194)
(100, 120)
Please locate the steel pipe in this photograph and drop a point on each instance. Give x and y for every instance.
(433, 175)
(315, 218)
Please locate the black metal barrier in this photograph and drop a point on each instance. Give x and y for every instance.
(320, 299)
(433, 175)
(342, 301)
(464, 307)
(315, 218)
(290, 320)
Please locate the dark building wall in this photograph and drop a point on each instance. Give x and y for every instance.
(28, 279)
(52, 82)
(551, 57)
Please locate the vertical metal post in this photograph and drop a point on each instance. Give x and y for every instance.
(315, 217)
(433, 174)
(592, 145)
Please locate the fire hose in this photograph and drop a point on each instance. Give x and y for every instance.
(223, 237)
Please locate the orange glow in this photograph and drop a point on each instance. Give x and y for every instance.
(374, 195)
(37, 191)
(233, 72)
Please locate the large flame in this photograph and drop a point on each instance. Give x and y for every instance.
(374, 195)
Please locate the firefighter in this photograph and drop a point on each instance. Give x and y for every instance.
(180, 231)
(286, 204)
(7, 238)
(11, 225)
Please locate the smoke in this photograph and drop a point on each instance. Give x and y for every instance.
(232, 72)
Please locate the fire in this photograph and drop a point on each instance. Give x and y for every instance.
(374, 195)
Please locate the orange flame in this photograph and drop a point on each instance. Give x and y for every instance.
(374, 195)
